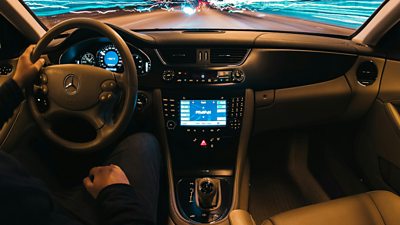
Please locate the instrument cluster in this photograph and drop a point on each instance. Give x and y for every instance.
(103, 54)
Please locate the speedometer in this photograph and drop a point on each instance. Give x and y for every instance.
(110, 59)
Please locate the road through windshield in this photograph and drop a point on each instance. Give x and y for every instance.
(340, 17)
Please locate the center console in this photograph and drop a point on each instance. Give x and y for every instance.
(203, 129)
(205, 124)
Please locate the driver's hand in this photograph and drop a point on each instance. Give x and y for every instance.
(26, 71)
(103, 176)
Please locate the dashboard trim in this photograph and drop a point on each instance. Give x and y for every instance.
(148, 58)
(160, 57)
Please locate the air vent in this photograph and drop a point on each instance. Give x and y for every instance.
(230, 56)
(5, 69)
(367, 73)
(175, 56)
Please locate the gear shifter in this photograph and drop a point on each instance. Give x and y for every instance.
(208, 193)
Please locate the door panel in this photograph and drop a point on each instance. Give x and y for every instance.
(378, 145)
(3, 77)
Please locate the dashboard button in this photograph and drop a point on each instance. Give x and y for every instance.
(238, 75)
(171, 124)
(168, 75)
(105, 96)
(203, 144)
(141, 102)
(43, 78)
(45, 89)
(108, 85)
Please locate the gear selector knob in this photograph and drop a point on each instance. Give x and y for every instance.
(208, 192)
(207, 187)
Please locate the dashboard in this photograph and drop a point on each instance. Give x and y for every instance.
(226, 60)
(279, 68)
(101, 53)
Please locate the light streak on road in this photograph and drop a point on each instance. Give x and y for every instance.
(188, 10)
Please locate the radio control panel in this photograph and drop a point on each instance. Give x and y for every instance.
(203, 77)
(234, 112)
(203, 123)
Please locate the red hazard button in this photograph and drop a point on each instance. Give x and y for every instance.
(203, 143)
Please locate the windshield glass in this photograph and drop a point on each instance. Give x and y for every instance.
(339, 17)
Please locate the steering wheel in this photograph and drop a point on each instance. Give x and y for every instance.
(83, 91)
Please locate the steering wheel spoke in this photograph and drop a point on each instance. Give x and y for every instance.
(121, 81)
(94, 117)
(105, 131)
(52, 111)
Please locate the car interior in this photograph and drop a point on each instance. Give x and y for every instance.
(301, 128)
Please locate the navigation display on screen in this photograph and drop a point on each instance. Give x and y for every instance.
(203, 112)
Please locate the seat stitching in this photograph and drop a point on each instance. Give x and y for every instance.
(376, 206)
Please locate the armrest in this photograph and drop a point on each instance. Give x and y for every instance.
(394, 114)
(240, 217)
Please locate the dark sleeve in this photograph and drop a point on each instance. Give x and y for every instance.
(10, 97)
(119, 204)
(25, 199)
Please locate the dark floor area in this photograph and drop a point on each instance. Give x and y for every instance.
(272, 189)
(330, 158)
(272, 193)
(332, 161)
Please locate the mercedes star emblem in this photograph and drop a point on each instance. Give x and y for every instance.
(71, 84)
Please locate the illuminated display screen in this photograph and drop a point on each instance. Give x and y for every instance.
(111, 58)
(203, 112)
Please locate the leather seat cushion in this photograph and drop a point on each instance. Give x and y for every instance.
(372, 208)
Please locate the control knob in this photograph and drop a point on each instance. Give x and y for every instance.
(208, 192)
(141, 101)
(168, 75)
(238, 75)
(207, 187)
(171, 124)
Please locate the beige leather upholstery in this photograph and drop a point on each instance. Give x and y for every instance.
(372, 208)
(240, 217)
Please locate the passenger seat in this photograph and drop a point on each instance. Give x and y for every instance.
(372, 208)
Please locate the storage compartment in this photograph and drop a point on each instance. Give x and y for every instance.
(304, 105)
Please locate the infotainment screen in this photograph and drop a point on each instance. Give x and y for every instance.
(203, 112)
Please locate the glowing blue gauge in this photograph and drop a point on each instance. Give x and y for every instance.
(111, 58)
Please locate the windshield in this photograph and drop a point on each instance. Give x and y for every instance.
(338, 17)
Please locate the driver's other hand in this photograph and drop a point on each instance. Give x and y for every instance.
(103, 176)
(27, 71)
